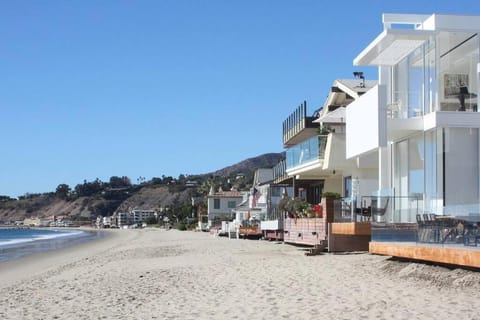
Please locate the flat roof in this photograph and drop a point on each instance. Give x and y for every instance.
(391, 46)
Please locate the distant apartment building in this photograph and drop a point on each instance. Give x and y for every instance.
(139, 216)
(135, 216)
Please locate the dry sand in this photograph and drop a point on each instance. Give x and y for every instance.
(158, 274)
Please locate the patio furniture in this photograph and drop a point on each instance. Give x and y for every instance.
(471, 229)
(421, 229)
(447, 227)
(471, 240)
(365, 213)
(428, 228)
(377, 212)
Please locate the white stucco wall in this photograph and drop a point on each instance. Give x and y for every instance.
(366, 122)
(224, 210)
(333, 184)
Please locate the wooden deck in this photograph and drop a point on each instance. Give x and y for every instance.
(455, 255)
(352, 228)
(304, 231)
(250, 232)
(273, 235)
(349, 236)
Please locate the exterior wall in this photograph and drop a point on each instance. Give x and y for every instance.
(451, 23)
(31, 222)
(305, 231)
(342, 242)
(335, 156)
(272, 225)
(224, 212)
(333, 184)
(366, 121)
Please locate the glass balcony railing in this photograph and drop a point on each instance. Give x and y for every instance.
(405, 105)
(307, 151)
(280, 171)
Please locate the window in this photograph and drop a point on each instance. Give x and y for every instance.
(216, 203)
(231, 204)
(347, 183)
(276, 191)
(458, 74)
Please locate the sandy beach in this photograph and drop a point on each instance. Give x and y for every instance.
(158, 274)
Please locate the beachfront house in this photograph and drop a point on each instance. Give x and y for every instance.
(261, 206)
(103, 222)
(272, 192)
(349, 227)
(220, 206)
(304, 149)
(421, 122)
(316, 164)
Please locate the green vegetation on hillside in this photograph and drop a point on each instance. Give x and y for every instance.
(90, 199)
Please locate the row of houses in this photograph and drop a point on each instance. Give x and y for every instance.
(402, 152)
(125, 219)
(51, 221)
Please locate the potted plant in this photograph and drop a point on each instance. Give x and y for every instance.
(332, 195)
(295, 207)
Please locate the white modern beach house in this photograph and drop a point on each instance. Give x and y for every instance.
(421, 125)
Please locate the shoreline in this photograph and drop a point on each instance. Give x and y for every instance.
(53, 239)
(16, 269)
(169, 274)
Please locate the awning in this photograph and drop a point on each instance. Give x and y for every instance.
(391, 46)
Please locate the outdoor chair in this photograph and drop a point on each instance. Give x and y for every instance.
(431, 228)
(471, 236)
(378, 212)
(364, 213)
(421, 231)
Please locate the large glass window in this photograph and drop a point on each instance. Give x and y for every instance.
(347, 184)
(433, 172)
(442, 74)
(451, 171)
(408, 178)
(408, 85)
(276, 191)
(459, 57)
(431, 83)
(461, 172)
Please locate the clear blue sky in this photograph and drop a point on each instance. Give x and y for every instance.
(93, 89)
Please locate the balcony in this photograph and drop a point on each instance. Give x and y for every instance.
(298, 126)
(280, 172)
(310, 151)
(373, 121)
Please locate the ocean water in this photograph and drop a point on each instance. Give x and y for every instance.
(16, 243)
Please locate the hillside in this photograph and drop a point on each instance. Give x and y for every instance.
(153, 194)
(266, 160)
